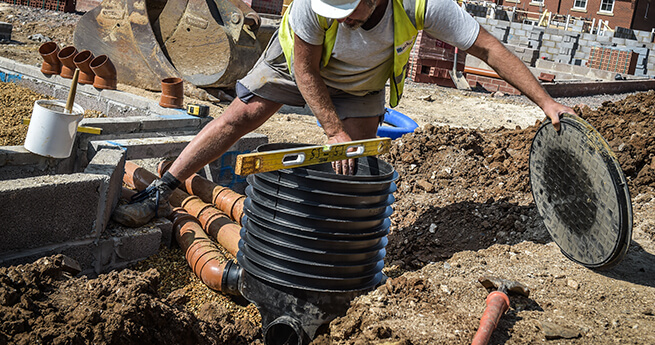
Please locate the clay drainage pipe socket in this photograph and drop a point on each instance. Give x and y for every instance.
(66, 57)
(105, 72)
(224, 198)
(51, 64)
(83, 61)
(203, 256)
(172, 93)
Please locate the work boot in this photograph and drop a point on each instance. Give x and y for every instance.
(150, 203)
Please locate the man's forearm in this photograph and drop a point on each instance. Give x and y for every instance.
(509, 67)
(316, 95)
(307, 60)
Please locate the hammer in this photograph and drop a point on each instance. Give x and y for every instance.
(497, 305)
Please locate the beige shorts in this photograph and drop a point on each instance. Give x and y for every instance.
(270, 79)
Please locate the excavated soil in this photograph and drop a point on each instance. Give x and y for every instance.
(463, 209)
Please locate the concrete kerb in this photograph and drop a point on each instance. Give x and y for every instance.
(111, 102)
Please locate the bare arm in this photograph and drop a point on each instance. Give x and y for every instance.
(307, 59)
(511, 69)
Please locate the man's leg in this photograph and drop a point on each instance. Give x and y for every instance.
(237, 120)
(360, 128)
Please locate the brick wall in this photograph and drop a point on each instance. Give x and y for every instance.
(620, 16)
(431, 60)
(490, 84)
(615, 60)
(55, 5)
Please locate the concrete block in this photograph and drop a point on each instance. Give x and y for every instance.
(17, 162)
(115, 125)
(126, 99)
(589, 37)
(603, 39)
(557, 38)
(580, 70)
(548, 44)
(166, 228)
(116, 109)
(61, 208)
(139, 148)
(553, 31)
(132, 245)
(111, 163)
(618, 41)
(185, 121)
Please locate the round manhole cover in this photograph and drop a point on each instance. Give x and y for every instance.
(581, 193)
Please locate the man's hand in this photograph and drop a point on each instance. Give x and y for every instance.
(344, 167)
(553, 110)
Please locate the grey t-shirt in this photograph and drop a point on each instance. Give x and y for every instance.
(362, 59)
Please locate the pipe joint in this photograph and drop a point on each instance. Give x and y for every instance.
(231, 277)
(285, 330)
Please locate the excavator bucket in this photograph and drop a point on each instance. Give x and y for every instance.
(208, 43)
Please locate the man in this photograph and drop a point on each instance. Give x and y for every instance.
(337, 56)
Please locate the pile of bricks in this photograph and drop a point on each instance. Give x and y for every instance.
(612, 59)
(431, 60)
(491, 84)
(266, 6)
(55, 5)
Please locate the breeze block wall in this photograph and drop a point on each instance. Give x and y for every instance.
(571, 46)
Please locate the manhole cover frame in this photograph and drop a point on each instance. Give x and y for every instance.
(597, 146)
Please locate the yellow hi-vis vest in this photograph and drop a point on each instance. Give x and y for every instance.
(404, 37)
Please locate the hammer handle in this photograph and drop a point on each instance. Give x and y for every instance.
(497, 305)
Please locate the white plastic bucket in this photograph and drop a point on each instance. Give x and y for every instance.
(52, 131)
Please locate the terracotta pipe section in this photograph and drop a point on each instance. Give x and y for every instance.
(51, 64)
(481, 71)
(66, 57)
(202, 255)
(216, 223)
(172, 93)
(83, 60)
(223, 198)
(105, 73)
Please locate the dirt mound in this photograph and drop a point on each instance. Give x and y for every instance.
(41, 303)
(628, 127)
(462, 189)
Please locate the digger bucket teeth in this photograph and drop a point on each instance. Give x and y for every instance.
(205, 42)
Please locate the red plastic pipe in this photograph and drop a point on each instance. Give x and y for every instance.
(223, 198)
(497, 305)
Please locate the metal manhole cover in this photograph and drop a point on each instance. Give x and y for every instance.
(581, 193)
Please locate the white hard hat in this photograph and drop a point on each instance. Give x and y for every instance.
(334, 9)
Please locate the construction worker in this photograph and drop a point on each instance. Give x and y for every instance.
(336, 56)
